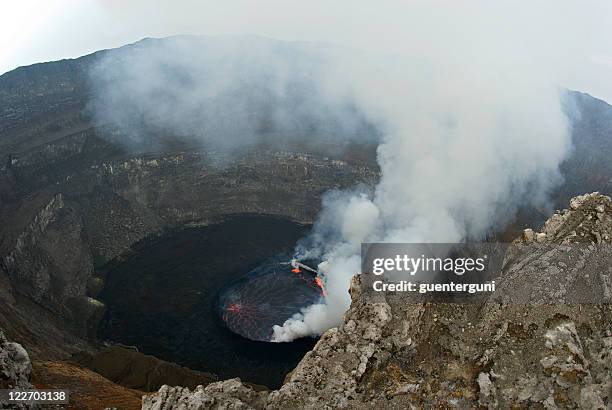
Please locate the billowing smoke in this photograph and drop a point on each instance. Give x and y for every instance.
(226, 93)
(469, 126)
(465, 142)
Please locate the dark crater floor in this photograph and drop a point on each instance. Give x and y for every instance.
(162, 298)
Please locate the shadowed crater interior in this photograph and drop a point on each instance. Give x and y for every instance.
(164, 297)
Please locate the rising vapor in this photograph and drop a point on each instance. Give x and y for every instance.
(470, 125)
(452, 169)
(226, 93)
(466, 139)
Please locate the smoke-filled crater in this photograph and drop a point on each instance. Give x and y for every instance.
(208, 297)
(267, 296)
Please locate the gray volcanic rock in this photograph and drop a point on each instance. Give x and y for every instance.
(50, 262)
(15, 365)
(396, 354)
(228, 394)
(15, 369)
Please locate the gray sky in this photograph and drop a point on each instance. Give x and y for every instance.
(572, 39)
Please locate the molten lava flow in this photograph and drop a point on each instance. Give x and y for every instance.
(234, 307)
(268, 296)
(319, 283)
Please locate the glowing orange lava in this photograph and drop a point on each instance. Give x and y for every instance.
(319, 283)
(234, 307)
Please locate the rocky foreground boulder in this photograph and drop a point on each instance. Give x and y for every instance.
(514, 350)
(15, 368)
(15, 365)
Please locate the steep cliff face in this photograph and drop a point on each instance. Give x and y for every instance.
(50, 262)
(72, 211)
(43, 102)
(393, 353)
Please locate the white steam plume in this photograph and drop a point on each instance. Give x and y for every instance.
(465, 141)
(468, 118)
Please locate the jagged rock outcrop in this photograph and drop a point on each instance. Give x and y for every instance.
(51, 263)
(15, 368)
(228, 394)
(504, 353)
(15, 365)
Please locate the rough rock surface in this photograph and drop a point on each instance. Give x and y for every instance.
(390, 353)
(228, 394)
(15, 368)
(15, 365)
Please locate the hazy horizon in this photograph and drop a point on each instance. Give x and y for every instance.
(571, 38)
